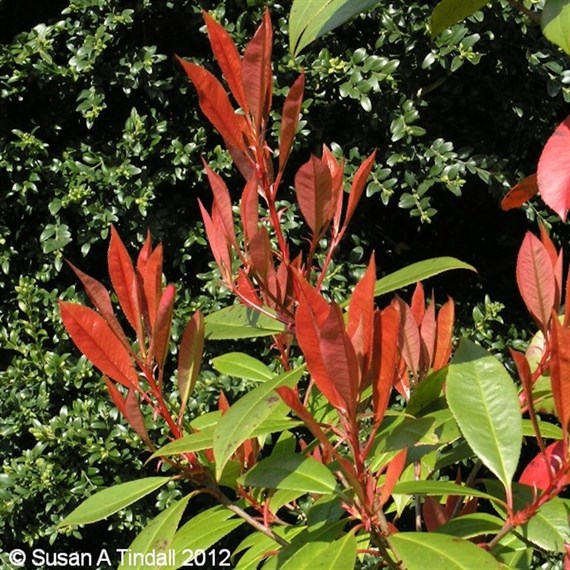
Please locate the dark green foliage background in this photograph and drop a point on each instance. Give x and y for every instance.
(98, 125)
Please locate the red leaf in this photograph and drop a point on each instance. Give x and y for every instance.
(444, 335)
(249, 208)
(313, 185)
(116, 396)
(260, 254)
(520, 193)
(100, 298)
(567, 299)
(190, 358)
(410, 339)
(218, 244)
(535, 278)
(427, 334)
(418, 304)
(560, 371)
(223, 203)
(290, 119)
(256, 72)
(223, 404)
(357, 187)
(144, 253)
(329, 354)
(523, 370)
(216, 105)
(134, 416)
(361, 316)
(434, 514)
(227, 56)
(161, 330)
(567, 557)
(554, 170)
(537, 473)
(337, 174)
(152, 283)
(556, 260)
(124, 281)
(245, 288)
(95, 339)
(393, 473)
(386, 358)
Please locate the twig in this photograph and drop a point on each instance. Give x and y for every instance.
(517, 5)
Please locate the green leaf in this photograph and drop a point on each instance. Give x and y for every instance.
(421, 550)
(109, 501)
(242, 365)
(547, 430)
(293, 472)
(471, 525)
(484, 400)
(239, 321)
(192, 442)
(155, 538)
(311, 19)
(549, 528)
(247, 414)
(426, 393)
(555, 22)
(449, 12)
(324, 555)
(417, 272)
(201, 533)
(439, 489)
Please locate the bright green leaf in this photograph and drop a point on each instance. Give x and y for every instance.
(439, 488)
(311, 19)
(471, 525)
(109, 501)
(449, 12)
(421, 550)
(294, 472)
(417, 272)
(485, 403)
(555, 22)
(192, 442)
(155, 538)
(239, 321)
(243, 366)
(247, 414)
(550, 527)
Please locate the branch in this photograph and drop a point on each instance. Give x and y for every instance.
(517, 5)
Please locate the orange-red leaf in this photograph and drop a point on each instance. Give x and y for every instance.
(337, 175)
(444, 335)
(249, 208)
(434, 514)
(96, 340)
(538, 472)
(554, 170)
(124, 280)
(520, 193)
(190, 357)
(134, 416)
(216, 105)
(410, 338)
(161, 330)
(152, 283)
(393, 473)
(290, 119)
(223, 202)
(256, 72)
(357, 187)
(227, 56)
(535, 278)
(218, 244)
(330, 356)
(560, 371)
(260, 254)
(313, 185)
(386, 358)
(361, 316)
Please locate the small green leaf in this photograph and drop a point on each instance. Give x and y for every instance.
(449, 12)
(484, 400)
(155, 538)
(426, 393)
(242, 365)
(192, 442)
(439, 489)
(293, 472)
(109, 501)
(247, 415)
(239, 321)
(555, 22)
(472, 525)
(550, 527)
(547, 430)
(418, 272)
(421, 550)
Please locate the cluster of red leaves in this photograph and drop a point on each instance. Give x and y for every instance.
(539, 277)
(138, 367)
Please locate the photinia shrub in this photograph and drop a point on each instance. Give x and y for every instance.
(381, 445)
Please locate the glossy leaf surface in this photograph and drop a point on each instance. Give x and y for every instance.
(449, 12)
(239, 321)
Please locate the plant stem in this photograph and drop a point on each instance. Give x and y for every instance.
(502, 533)
(517, 5)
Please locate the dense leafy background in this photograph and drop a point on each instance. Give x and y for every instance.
(98, 125)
